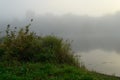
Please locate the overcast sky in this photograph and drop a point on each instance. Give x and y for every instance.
(17, 8)
(88, 32)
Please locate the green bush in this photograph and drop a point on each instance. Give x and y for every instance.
(19, 45)
(25, 46)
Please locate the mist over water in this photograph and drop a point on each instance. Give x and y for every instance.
(96, 39)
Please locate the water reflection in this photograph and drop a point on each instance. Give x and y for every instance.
(102, 61)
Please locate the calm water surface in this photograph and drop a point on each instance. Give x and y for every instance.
(102, 61)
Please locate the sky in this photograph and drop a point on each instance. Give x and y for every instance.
(18, 8)
(78, 21)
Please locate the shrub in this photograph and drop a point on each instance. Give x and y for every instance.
(25, 46)
(21, 45)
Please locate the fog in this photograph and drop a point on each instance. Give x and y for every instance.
(17, 8)
(87, 33)
(93, 25)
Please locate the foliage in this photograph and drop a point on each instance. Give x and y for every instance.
(26, 46)
(27, 56)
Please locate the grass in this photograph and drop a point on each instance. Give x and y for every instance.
(27, 56)
(49, 71)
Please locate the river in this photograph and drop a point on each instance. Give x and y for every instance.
(106, 62)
